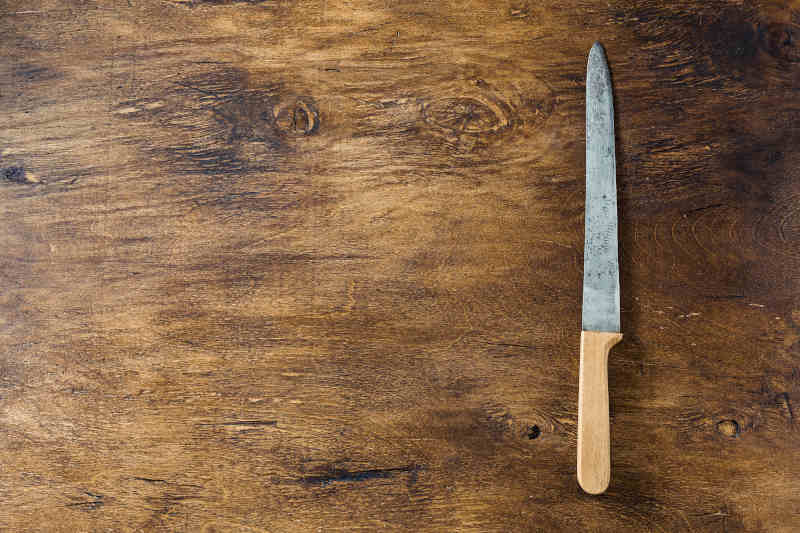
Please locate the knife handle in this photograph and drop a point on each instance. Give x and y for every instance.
(594, 439)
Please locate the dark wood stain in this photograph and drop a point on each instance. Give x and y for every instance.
(316, 266)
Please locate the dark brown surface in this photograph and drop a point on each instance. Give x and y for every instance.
(316, 266)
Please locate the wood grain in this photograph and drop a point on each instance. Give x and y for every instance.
(315, 266)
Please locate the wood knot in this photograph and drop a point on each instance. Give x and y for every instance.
(17, 174)
(779, 228)
(472, 113)
(781, 41)
(297, 117)
(467, 115)
(729, 428)
(264, 121)
(534, 432)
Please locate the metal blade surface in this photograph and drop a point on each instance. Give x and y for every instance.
(600, 255)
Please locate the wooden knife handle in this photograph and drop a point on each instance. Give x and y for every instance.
(594, 439)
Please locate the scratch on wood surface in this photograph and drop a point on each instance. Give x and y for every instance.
(338, 475)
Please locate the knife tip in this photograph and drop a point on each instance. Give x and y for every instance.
(597, 60)
(597, 50)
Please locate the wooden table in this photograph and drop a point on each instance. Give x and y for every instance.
(283, 266)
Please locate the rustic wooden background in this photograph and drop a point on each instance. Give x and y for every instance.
(284, 266)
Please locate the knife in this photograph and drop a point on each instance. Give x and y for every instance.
(600, 328)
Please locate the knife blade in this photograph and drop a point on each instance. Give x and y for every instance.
(600, 324)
